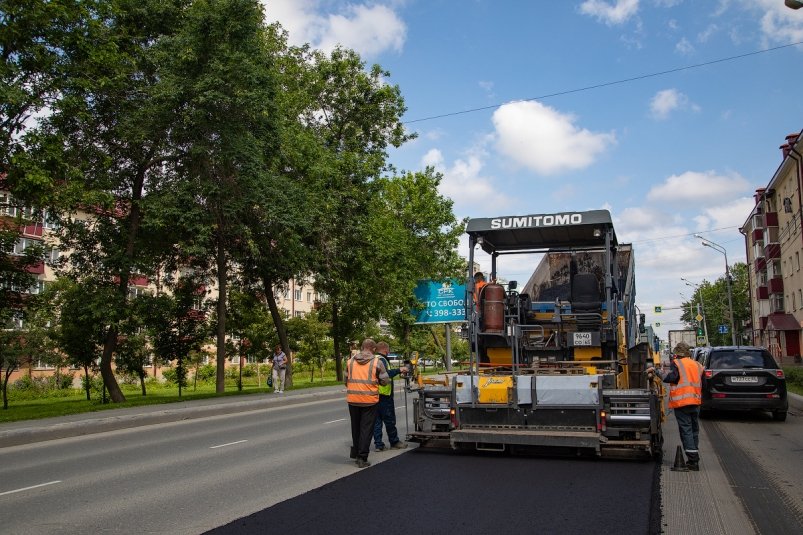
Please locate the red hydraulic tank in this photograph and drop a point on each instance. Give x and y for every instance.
(493, 308)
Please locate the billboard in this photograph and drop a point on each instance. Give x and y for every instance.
(443, 302)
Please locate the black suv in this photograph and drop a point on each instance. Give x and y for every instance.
(743, 377)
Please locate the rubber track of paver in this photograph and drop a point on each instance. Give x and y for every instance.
(429, 492)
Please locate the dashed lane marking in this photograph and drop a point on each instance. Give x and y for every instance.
(228, 444)
(29, 488)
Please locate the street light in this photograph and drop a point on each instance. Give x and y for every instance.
(719, 248)
(794, 4)
(702, 306)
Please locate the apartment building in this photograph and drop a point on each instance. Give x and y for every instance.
(774, 246)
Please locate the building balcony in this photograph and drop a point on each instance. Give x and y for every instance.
(771, 218)
(763, 320)
(759, 264)
(757, 235)
(762, 292)
(36, 269)
(776, 285)
(772, 250)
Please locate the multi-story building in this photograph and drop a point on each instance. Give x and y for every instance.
(774, 245)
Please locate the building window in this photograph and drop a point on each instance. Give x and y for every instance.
(137, 291)
(797, 261)
(22, 244)
(298, 294)
(309, 297)
(299, 314)
(794, 301)
(49, 221)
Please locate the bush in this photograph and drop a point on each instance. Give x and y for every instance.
(171, 376)
(207, 373)
(794, 376)
(27, 387)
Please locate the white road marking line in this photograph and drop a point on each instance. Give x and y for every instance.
(229, 444)
(29, 488)
(335, 421)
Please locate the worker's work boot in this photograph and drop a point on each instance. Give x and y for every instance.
(353, 453)
(694, 466)
(363, 463)
(398, 446)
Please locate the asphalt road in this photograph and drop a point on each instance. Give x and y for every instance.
(195, 475)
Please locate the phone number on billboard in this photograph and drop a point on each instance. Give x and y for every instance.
(447, 312)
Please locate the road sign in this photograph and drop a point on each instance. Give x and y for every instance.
(444, 302)
(698, 317)
(701, 340)
(657, 323)
(658, 309)
(722, 329)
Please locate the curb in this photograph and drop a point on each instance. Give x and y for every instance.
(31, 431)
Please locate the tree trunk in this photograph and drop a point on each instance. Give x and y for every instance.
(142, 376)
(106, 372)
(6, 375)
(281, 331)
(87, 385)
(220, 384)
(337, 342)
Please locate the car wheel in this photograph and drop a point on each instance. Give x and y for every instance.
(779, 416)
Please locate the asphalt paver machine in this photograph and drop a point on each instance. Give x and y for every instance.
(558, 363)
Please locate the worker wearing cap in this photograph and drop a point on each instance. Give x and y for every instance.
(685, 397)
(386, 410)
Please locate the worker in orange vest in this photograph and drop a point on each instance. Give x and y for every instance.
(479, 283)
(364, 373)
(685, 397)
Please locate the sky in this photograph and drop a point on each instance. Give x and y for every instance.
(667, 113)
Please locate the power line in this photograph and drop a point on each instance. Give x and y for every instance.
(661, 238)
(607, 84)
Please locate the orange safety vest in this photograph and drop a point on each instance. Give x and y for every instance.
(689, 390)
(478, 286)
(362, 388)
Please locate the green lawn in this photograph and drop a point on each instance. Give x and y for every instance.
(30, 409)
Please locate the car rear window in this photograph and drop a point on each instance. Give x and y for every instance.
(737, 359)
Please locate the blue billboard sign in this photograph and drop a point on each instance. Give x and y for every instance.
(444, 302)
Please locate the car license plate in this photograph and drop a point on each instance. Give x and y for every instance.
(743, 379)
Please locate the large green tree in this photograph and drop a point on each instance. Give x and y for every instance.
(356, 116)
(218, 83)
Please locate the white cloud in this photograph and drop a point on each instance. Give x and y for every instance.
(464, 183)
(732, 214)
(779, 24)
(684, 47)
(618, 12)
(370, 29)
(545, 140)
(668, 100)
(697, 188)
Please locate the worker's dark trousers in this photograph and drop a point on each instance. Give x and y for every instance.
(386, 412)
(689, 427)
(362, 429)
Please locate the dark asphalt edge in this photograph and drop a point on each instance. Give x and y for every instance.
(102, 424)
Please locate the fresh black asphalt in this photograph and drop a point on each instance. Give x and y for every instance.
(430, 492)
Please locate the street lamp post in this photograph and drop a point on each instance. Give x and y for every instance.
(719, 248)
(702, 307)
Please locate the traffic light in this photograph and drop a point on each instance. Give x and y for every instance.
(700, 331)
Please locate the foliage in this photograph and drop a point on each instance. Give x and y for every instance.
(26, 387)
(713, 301)
(206, 373)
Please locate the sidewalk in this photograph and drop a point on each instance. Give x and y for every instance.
(29, 431)
(701, 502)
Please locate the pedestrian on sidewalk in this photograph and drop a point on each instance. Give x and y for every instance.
(364, 374)
(386, 409)
(685, 378)
(279, 362)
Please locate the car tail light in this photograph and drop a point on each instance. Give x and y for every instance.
(453, 417)
(773, 396)
(718, 395)
(601, 425)
(779, 374)
(709, 374)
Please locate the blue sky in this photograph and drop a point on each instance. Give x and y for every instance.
(669, 155)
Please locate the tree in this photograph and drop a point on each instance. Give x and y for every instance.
(218, 85)
(80, 328)
(311, 342)
(355, 115)
(178, 327)
(713, 298)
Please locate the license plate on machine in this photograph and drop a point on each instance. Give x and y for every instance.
(743, 379)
